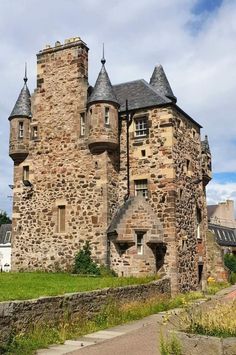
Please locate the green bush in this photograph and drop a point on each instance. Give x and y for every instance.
(84, 265)
(230, 262)
(106, 272)
(232, 278)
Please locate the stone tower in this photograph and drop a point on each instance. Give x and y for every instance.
(71, 173)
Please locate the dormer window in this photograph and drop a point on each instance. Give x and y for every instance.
(21, 130)
(107, 116)
(141, 127)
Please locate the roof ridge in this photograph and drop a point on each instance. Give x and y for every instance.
(128, 82)
(156, 91)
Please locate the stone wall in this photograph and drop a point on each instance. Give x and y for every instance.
(17, 316)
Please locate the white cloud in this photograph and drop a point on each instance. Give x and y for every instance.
(198, 53)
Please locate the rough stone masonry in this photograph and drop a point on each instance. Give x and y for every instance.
(68, 142)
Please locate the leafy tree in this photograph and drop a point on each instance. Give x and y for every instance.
(84, 264)
(230, 262)
(4, 219)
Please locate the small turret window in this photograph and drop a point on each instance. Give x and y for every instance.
(21, 129)
(107, 116)
(82, 124)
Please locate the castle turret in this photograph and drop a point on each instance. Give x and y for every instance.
(206, 162)
(160, 82)
(19, 126)
(103, 114)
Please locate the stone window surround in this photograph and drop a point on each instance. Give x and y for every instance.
(107, 115)
(58, 203)
(136, 182)
(140, 243)
(33, 126)
(82, 124)
(138, 116)
(26, 172)
(21, 129)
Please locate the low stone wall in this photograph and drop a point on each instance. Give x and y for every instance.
(201, 344)
(16, 316)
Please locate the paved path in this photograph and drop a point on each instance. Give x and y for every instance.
(137, 338)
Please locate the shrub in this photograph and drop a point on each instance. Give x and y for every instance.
(170, 346)
(84, 265)
(106, 272)
(230, 262)
(232, 278)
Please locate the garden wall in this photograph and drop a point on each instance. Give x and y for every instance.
(17, 316)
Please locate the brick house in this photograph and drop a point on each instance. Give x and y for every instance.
(121, 166)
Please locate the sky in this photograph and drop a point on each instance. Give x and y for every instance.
(194, 40)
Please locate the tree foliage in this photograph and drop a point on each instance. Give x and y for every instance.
(4, 219)
(84, 265)
(230, 262)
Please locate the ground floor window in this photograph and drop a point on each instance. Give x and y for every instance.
(61, 219)
(140, 242)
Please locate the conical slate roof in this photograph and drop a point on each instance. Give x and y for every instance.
(22, 106)
(160, 82)
(205, 145)
(103, 90)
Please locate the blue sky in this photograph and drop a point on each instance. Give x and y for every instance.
(193, 40)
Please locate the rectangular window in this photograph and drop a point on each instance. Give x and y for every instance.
(140, 242)
(26, 173)
(198, 220)
(141, 188)
(21, 129)
(61, 219)
(34, 132)
(7, 237)
(107, 114)
(82, 124)
(141, 127)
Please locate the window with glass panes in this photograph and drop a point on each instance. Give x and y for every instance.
(141, 127)
(82, 124)
(107, 115)
(21, 129)
(140, 242)
(141, 187)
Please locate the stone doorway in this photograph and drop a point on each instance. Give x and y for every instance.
(200, 272)
(159, 252)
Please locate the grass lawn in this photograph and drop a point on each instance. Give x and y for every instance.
(26, 285)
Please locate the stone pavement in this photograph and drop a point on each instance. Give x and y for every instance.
(137, 338)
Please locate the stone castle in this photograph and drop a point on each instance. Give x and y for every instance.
(121, 166)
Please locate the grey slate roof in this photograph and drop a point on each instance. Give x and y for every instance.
(103, 90)
(205, 145)
(22, 106)
(160, 82)
(225, 236)
(139, 95)
(4, 237)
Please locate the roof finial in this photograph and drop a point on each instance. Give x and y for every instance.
(103, 61)
(25, 77)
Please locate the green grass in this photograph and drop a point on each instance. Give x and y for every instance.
(111, 315)
(19, 286)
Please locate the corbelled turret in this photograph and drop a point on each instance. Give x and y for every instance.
(160, 82)
(103, 114)
(19, 125)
